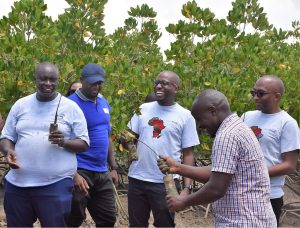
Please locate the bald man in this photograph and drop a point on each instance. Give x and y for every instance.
(237, 182)
(168, 129)
(39, 184)
(277, 133)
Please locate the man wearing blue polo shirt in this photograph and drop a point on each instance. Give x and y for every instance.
(93, 182)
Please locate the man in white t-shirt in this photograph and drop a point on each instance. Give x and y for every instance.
(39, 184)
(277, 132)
(168, 129)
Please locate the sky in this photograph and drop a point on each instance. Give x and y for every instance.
(280, 13)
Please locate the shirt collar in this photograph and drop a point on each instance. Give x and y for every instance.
(227, 121)
(84, 98)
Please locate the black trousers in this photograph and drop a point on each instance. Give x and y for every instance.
(277, 205)
(100, 202)
(144, 197)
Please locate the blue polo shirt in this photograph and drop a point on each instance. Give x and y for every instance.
(97, 115)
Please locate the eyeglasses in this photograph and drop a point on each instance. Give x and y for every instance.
(162, 82)
(259, 93)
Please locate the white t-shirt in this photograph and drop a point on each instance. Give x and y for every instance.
(277, 133)
(165, 129)
(27, 125)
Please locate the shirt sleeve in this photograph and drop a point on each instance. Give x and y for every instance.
(109, 125)
(133, 124)
(9, 130)
(79, 125)
(189, 134)
(225, 153)
(290, 137)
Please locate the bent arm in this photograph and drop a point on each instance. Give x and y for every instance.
(169, 165)
(201, 174)
(75, 145)
(288, 165)
(213, 190)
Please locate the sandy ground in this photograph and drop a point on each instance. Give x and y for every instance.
(192, 217)
(195, 217)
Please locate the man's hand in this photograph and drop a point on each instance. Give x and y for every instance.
(175, 203)
(125, 138)
(185, 192)
(114, 177)
(81, 184)
(11, 159)
(167, 164)
(57, 137)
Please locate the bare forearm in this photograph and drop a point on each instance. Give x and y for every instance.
(111, 160)
(207, 194)
(288, 165)
(213, 190)
(111, 156)
(281, 169)
(75, 145)
(189, 160)
(201, 174)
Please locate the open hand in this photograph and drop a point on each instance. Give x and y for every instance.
(11, 159)
(81, 184)
(114, 177)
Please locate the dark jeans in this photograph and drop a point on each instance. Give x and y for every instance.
(277, 205)
(145, 196)
(51, 204)
(100, 202)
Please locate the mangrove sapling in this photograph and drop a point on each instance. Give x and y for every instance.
(169, 182)
(170, 185)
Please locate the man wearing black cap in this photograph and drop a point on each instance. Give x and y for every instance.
(93, 182)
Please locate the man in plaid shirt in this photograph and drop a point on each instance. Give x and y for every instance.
(237, 182)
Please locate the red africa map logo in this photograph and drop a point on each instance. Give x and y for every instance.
(257, 132)
(158, 125)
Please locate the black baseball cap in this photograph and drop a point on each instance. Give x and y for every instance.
(93, 73)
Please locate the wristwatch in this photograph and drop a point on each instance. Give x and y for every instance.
(189, 187)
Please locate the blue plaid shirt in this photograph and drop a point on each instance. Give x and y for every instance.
(247, 202)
